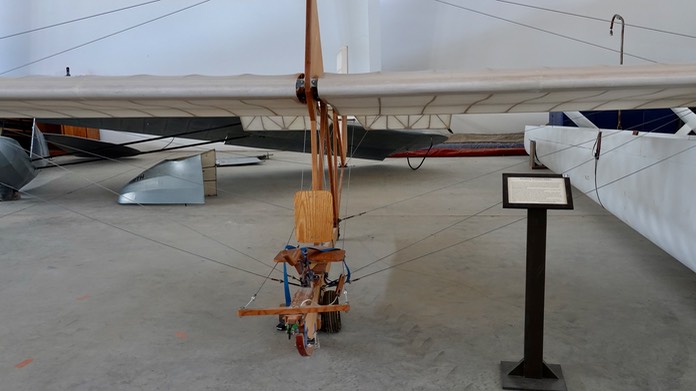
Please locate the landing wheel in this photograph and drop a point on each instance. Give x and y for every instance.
(330, 321)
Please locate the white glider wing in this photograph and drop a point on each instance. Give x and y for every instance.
(148, 96)
(371, 97)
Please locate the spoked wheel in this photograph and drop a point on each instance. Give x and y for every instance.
(330, 321)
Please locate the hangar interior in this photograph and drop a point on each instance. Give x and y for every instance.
(97, 295)
(102, 296)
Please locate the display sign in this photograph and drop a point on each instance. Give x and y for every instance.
(548, 191)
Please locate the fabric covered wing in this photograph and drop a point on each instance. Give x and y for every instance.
(148, 96)
(539, 90)
(362, 95)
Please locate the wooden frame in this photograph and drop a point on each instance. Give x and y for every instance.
(310, 309)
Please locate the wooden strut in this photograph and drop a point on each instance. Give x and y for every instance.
(331, 161)
(310, 309)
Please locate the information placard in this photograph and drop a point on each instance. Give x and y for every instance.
(548, 191)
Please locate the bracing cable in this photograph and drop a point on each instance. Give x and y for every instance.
(570, 146)
(441, 249)
(596, 19)
(168, 245)
(103, 37)
(94, 183)
(77, 19)
(646, 167)
(568, 37)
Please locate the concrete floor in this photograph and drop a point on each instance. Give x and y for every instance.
(97, 296)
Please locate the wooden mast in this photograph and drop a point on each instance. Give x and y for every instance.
(316, 212)
(314, 68)
(325, 143)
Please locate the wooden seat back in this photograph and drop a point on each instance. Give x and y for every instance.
(314, 216)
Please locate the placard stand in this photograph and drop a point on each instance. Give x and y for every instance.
(537, 193)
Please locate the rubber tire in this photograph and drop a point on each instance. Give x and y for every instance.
(330, 321)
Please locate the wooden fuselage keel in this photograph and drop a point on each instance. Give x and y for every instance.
(315, 305)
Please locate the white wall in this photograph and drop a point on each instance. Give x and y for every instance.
(12, 20)
(266, 36)
(216, 37)
(419, 34)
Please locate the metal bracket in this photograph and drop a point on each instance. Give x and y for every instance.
(301, 85)
(300, 89)
(533, 162)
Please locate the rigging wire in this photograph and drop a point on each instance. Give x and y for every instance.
(434, 190)
(646, 167)
(292, 231)
(448, 246)
(347, 197)
(460, 221)
(441, 230)
(427, 237)
(353, 148)
(570, 146)
(122, 162)
(139, 235)
(180, 134)
(91, 182)
(644, 134)
(595, 154)
(142, 141)
(595, 18)
(78, 19)
(304, 151)
(442, 248)
(542, 30)
(104, 37)
(200, 233)
(70, 192)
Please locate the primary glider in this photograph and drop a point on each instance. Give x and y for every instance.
(314, 99)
